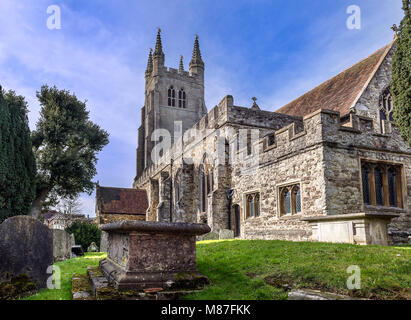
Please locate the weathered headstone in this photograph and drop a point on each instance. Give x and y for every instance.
(72, 240)
(104, 241)
(26, 248)
(226, 234)
(92, 248)
(61, 245)
(211, 236)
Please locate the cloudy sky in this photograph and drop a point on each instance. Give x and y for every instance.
(275, 50)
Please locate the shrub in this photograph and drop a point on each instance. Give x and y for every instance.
(85, 233)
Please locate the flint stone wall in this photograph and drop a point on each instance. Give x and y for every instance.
(26, 247)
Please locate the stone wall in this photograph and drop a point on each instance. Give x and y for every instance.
(319, 152)
(109, 218)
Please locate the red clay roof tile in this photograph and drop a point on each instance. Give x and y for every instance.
(340, 92)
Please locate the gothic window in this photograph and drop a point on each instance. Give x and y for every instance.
(181, 98)
(205, 184)
(177, 188)
(252, 205)
(171, 97)
(297, 198)
(365, 184)
(249, 145)
(386, 106)
(381, 184)
(379, 190)
(290, 200)
(391, 187)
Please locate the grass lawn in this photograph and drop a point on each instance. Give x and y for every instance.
(257, 269)
(242, 269)
(67, 268)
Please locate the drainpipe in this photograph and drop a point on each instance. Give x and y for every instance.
(171, 189)
(230, 194)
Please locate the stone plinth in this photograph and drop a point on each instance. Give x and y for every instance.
(359, 228)
(143, 255)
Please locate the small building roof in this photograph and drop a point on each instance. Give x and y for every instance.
(342, 91)
(121, 201)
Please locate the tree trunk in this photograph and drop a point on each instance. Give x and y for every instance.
(35, 210)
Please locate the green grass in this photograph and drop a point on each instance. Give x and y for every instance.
(243, 269)
(67, 268)
(238, 269)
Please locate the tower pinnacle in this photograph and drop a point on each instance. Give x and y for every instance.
(150, 62)
(181, 66)
(196, 58)
(159, 46)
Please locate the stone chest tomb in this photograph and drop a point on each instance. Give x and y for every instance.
(144, 255)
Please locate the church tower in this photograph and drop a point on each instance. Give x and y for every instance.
(170, 95)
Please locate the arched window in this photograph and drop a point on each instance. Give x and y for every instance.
(382, 184)
(365, 183)
(391, 187)
(205, 184)
(290, 200)
(386, 106)
(181, 98)
(177, 188)
(171, 97)
(379, 189)
(257, 205)
(252, 205)
(297, 199)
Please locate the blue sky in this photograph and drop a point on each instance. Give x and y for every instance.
(274, 50)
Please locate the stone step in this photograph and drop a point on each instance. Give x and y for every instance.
(80, 287)
(101, 290)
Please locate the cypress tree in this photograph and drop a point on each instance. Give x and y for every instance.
(17, 162)
(401, 75)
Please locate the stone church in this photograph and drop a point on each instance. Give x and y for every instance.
(329, 166)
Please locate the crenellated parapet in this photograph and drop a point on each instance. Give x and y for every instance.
(325, 126)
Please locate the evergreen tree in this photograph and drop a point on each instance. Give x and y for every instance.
(17, 162)
(401, 75)
(66, 144)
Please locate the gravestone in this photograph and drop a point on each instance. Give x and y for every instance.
(104, 241)
(61, 245)
(226, 234)
(72, 240)
(211, 236)
(26, 248)
(92, 248)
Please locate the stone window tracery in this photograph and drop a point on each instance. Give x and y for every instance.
(381, 184)
(171, 97)
(252, 205)
(205, 184)
(181, 98)
(386, 106)
(290, 200)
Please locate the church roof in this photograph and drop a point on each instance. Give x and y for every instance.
(121, 201)
(340, 92)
